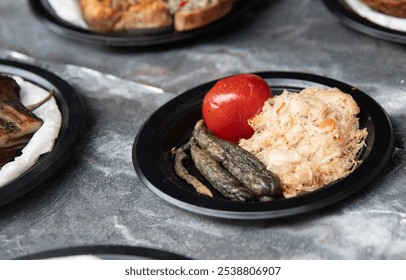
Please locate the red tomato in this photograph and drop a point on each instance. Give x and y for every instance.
(231, 102)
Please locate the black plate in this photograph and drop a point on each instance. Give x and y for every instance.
(72, 111)
(106, 252)
(172, 124)
(352, 19)
(137, 39)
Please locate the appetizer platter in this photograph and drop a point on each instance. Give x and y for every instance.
(104, 252)
(362, 16)
(50, 129)
(189, 147)
(78, 20)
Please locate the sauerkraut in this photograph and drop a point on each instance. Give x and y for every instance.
(309, 139)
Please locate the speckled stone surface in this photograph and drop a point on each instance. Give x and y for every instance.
(97, 197)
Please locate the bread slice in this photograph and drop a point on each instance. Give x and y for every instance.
(396, 8)
(100, 15)
(109, 16)
(194, 14)
(122, 15)
(145, 14)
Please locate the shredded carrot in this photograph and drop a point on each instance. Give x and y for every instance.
(280, 108)
(330, 122)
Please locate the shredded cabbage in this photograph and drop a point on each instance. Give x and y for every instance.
(309, 139)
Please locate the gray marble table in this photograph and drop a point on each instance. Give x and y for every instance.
(97, 197)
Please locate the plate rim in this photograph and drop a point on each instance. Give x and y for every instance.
(72, 32)
(72, 109)
(330, 195)
(352, 19)
(134, 251)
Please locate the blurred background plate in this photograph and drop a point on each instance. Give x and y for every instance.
(72, 110)
(105, 252)
(151, 37)
(353, 19)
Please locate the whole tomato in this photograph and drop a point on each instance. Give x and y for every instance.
(231, 102)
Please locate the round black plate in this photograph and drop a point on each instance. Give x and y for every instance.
(137, 39)
(172, 124)
(352, 19)
(71, 107)
(106, 252)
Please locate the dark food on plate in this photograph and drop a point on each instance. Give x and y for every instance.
(302, 141)
(234, 172)
(395, 8)
(123, 15)
(17, 123)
